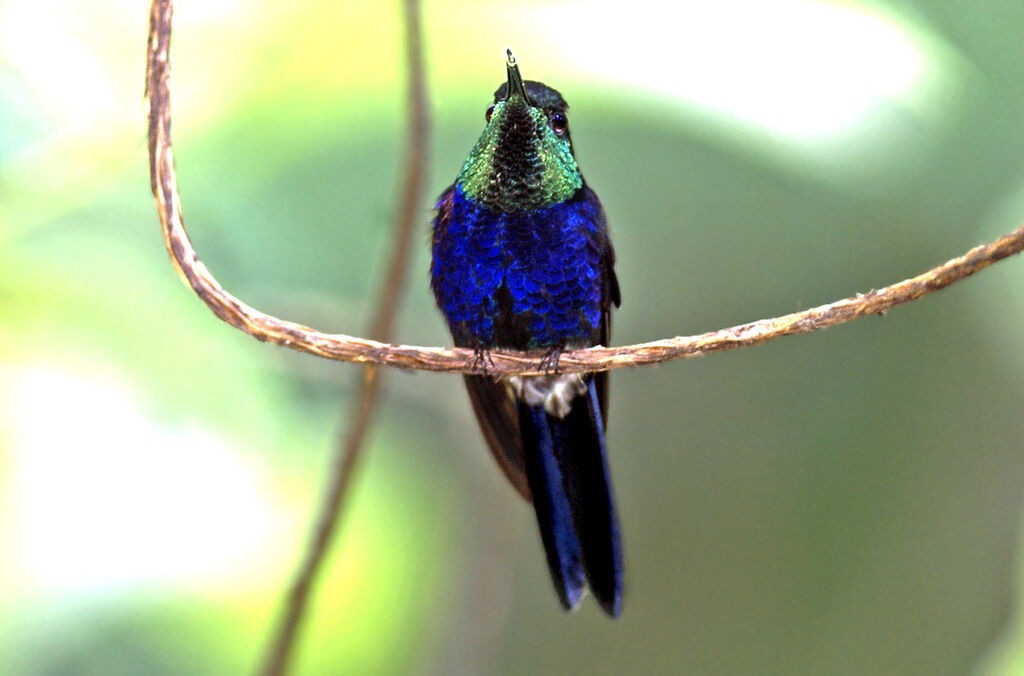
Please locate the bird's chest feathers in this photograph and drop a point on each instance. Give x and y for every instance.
(527, 278)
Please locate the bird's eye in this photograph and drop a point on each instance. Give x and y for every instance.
(487, 115)
(558, 123)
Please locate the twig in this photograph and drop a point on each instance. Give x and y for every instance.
(282, 644)
(459, 360)
(377, 351)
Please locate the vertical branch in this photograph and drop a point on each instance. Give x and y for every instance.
(381, 327)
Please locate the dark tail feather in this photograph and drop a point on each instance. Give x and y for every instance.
(566, 460)
(554, 514)
(590, 494)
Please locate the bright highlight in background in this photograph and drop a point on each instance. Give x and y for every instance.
(796, 68)
(105, 498)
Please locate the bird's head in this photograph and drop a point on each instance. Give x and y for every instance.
(524, 158)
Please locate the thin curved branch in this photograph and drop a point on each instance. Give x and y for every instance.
(459, 360)
(282, 642)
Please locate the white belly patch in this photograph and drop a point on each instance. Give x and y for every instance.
(555, 393)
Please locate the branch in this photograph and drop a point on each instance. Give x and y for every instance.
(282, 643)
(460, 360)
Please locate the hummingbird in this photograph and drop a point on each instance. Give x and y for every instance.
(522, 261)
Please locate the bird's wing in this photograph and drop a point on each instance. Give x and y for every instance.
(610, 296)
(497, 413)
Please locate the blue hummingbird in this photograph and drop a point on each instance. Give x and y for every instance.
(522, 261)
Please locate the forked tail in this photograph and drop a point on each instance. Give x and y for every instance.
(567, 469)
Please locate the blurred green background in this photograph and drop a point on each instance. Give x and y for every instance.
(847, 502)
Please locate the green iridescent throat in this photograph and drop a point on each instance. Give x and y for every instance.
(529, 167)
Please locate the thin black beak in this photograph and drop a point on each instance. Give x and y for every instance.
(515, 79)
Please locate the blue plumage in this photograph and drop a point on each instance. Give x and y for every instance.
(522, 260)
(549, 260)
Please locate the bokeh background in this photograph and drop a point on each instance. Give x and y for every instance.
(847, 502)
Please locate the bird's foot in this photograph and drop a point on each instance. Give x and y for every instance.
(549, 362)
(482, 359)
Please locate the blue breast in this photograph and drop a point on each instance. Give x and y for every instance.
(538, 270)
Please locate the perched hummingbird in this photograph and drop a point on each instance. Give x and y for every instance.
(522, 261)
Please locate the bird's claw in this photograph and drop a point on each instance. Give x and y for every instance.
(482, 358)
(549, 362)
